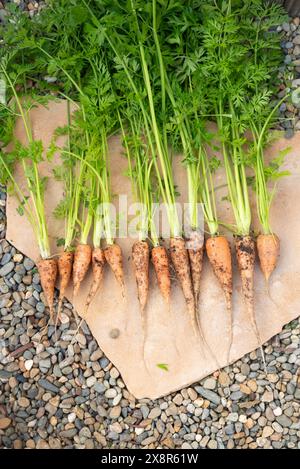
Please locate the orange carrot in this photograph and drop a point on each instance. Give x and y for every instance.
(65, 264)
(268, 248)
(180, 260)
(219, 255)
(245, 254)
(47, 269)
(160, 262)
(140, 258)
(82, 260)
(98, 262)
(195, 251)
(113, 256)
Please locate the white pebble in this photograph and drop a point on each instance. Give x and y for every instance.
(117, 399)
(277, 411)
(110, 393)
(138, 431)
(28, 364)
(91, 381)
(71, 417)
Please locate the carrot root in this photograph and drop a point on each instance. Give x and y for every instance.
(65, 264)
(180, 260)
(219, 255)
(195, 251)
(160, 262)
(98, 262)
(113, 256)
(82, 260)
(268, 248)
(47, 269)
(245, 254)
(140, 259)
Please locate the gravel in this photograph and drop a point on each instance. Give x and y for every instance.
(63, 394)
(289, 75)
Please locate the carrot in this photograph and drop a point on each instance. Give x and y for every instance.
(113, 256)
(180, 260)
(140, 258)
(245, 254)
(82, 260)
(98, 262)
(219, 256)
(195, 252)
(47, 269)
(160, 262)
(268, 248)
(65, 264)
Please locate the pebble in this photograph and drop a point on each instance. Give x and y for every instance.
(245, 369)
(44, 383)
(4, 423)
(6, 269)
(23, 402)
(110, 393)
(28, 264)
(278, 428)
(210, 383)
(115, 412)
(154, 413)
(71, 417)
(212, 444)
(223, 378)
(277, 411)
(267, 396)
(99, 388)
(91, 381)
(178, 399)
(207, 394)
(28, 364)
(284, 421)
(267, 431)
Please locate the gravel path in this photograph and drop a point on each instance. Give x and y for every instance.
(62, 392)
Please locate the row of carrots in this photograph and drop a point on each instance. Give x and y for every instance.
(186, 261)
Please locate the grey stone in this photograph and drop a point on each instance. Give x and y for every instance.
(6, 258)
(44, 383)
(286, 27)
(104, 362)
(284, 421)
(208, 394)
(4, 374)
(28, 264)
(40, 307)
(45, 363)
(99, 387)
(6, 269)
(68, 433)
(296, 39)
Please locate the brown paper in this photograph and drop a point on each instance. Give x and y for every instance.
(170, 339)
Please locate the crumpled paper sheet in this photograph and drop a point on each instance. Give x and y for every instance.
(170, 339)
